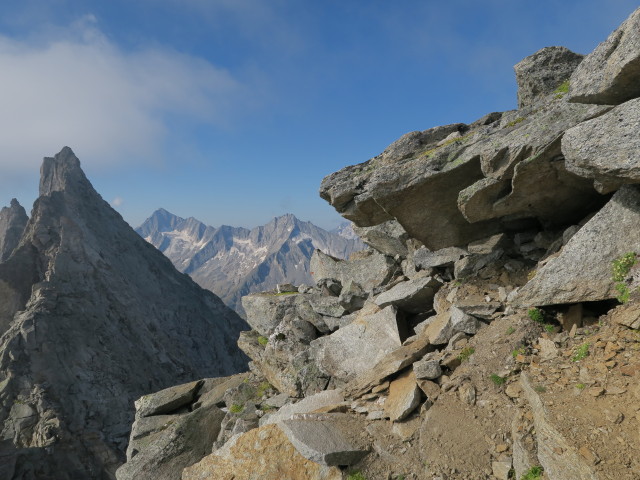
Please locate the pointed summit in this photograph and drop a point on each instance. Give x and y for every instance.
(91, 318)
(13, 220)
(62, 173)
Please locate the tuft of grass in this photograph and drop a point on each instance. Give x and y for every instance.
(549, 328)
(357, 475)
(510, 330)
(518, 351)
(534, 473)
(540, 388)
(531, 275)
(581, 352)
(497, 379)
(262, 389)
(465, 353)
(580, 386)
(620, 268)
(515, 122)
(263, 340)
(236, 408)
(536, 315)
(563, 87)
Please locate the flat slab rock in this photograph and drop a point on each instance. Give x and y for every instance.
(404, 397)
(167, 400)
(306, 405)
(582, 270)
(263, 453)
(606, 148)
(326, 439)
(413, 296)
(609, 74)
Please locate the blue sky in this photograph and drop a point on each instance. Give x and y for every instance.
(232, 111)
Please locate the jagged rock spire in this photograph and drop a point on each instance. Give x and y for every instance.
(13, 220)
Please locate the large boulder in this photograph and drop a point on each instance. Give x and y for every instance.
(609, 74)
(389, 238)
(327, 439)
(353, 349)
(582, 270)
(412, 296)
(607, 148)
(265, 453)
(369, 269)
(540, 74)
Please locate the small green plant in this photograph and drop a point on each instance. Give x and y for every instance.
(263, 340)
(531, 275)
(620, 268)
(581, 352)
(562, 89)
(540, 388)
(536, 315)
(357, 475)
(534, 473)
(262, 389)
(549, 328)
(518, 351)
(515, 122)
(580, 386)
(465, 353)
(497, 379)
(236, 408)
(510, 330)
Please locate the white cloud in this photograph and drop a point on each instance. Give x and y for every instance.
(109, 105)
(116, 202)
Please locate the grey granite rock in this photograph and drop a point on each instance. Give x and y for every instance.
(324, 439)
(369, 269)
(389, 238)
(609, 74)
(582, 270)
(607, 148)
(353, 349)
(412, 296)
(540, 74)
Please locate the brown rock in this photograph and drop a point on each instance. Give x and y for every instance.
(404, 396)
(263, 453)
(430, 389)
(596, 391)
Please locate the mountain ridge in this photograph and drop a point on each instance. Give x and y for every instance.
(235, 261)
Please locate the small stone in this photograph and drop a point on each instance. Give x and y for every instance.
(513, 390)
(595, 391)
(615, 391)
(501, 469)
(427, 369)
(380, 388)
(588, 455)
(503, 447)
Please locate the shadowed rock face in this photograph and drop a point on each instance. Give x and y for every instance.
(13, 219)
(96, 318)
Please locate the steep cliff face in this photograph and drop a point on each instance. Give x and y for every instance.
(93, 317)
(233, 262)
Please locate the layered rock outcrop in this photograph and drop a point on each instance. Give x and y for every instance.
(93, 317)
(484, 338)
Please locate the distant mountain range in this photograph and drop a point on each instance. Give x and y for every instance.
(234, 261)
